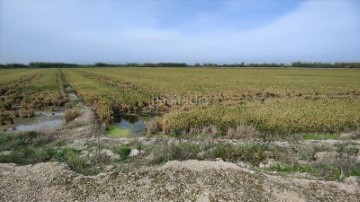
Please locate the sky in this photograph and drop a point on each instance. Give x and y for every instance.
(191, 31)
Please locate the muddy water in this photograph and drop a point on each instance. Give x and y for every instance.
(130, 125)
(43, 120)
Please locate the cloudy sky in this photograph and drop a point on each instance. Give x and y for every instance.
(221, 31)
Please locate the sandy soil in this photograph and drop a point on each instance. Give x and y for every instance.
(175, 181)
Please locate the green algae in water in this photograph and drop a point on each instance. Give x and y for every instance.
(116, 131)
(129, 126)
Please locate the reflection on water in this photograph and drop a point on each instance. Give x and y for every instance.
(44, 125)
(43, 120)
(134, 125)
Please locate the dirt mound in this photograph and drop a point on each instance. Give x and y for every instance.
(177, 181)
(195, 165)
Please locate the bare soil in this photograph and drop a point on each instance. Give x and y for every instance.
(175, 181)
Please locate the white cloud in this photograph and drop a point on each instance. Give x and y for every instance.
(316, 31)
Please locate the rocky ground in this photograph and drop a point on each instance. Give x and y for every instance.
(188, 180)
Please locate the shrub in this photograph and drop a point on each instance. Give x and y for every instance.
(124, 151)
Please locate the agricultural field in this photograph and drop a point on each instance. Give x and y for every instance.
(193, 124)
(24, 91)
(217, 101)
(225, 101)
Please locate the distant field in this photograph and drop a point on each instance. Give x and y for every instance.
(23, 91)
(205, 100)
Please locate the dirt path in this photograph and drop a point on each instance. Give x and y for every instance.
(175, 181)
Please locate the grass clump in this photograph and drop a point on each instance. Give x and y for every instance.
(319, 136)
(124, 151)
(28, 155)
(181, 151)
(289, 168)
(26, 148)
(32, 148)
(73, 159)
(251, 153)
(21, 140)
(71, 114)
(331, 171)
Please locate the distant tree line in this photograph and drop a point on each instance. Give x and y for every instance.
(170, 64)
(38, 65)
(326, 65)
(51, 64)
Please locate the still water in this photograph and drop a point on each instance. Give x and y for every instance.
(129, 125)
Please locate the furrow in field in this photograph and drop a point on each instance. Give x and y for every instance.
(42, 89)
(108, 97)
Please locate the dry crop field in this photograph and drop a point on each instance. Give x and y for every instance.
(24, 91)
(292, 129)
(222, 101)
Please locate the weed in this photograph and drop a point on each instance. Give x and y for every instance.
(124, 151)
(28, 155)
(21, 140)
(289, 168)
(181, 151)
(71, 114)
(319, 136)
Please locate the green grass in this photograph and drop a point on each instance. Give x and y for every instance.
(317, 136)
(289, 168)
(31, 148)
(327, 171)
(252, 153)
(29, 155)
(124, 151)
(22, 140)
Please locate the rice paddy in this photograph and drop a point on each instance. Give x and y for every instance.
(188, 101)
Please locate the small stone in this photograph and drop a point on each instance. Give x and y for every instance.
(242, 164)
(348, 135)
(352, 180)
(201, 155)
(84, 154)
(267, 163)
(5, 153)
(92, 154)
(218, 159)
(109, 167)
(109, 154)
(326, 157)
(134, 152)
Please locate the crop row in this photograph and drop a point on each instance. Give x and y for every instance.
(280, 117)
(23, 96)
(239, 83)
(108, 97)
(194, 100)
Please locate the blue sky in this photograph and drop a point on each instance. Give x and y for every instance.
(220, 31)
